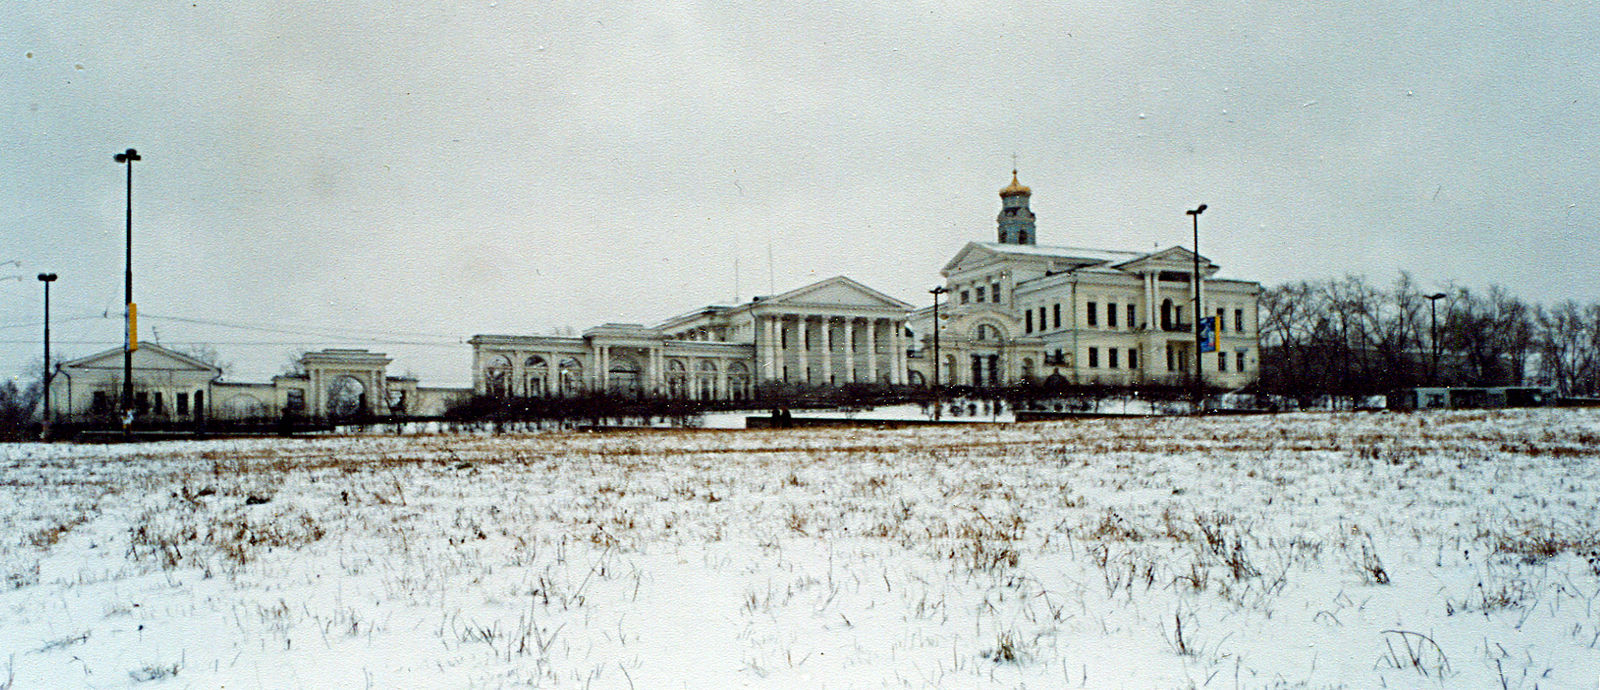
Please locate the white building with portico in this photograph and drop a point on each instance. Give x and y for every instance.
(832, 332)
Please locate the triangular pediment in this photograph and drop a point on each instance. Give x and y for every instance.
(1173, 257)
(972, 253)
(148, 357)
(840, 291)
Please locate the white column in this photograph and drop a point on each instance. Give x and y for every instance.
(872, 350)
(765, 366)
(805, 349)
(722, 379)
(899, 351)
(518, 373)
(826, 324)
(552, 377)
(850, 350)
(605, 368)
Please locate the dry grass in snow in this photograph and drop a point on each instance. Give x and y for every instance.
(1426, 550)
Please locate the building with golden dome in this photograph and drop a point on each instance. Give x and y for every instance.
(1020, 311)
(1017, 311)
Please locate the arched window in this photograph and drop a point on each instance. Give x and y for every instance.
(738, 381)
(496, 377)
(571, 376)
(677, 379)
(705, 379)
(538, 371)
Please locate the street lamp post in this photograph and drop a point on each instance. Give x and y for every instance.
(1433, 335)
(1199, 383)
(127, 158)
(939, 290)
(44, 430)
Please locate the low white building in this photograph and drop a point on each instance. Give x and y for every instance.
(170, 386)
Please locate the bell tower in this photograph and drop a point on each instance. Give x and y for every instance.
(1016, 221)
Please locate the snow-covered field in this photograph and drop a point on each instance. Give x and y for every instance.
(1356, 550)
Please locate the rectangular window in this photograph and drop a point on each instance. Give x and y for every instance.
(1222, 361)
(1111, 314)
(1238, 321)
(1239, 359)
(1222, 319)
(1057, 317)
(1094, 357)
(101, 403)
(1111, 358)
(1041, 319)
(296, 400)
(964, 296)
(161, 407)
(183, 404)
(141, 402)
(1093, 315)
(978, 294)
(1132, 322)
(995, 290)
(1133, 358)
(1027, 321)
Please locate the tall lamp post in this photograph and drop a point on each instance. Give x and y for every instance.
(1433, 335)
(127, 158)
(1198, 311)
(47, 279)
(939, 290)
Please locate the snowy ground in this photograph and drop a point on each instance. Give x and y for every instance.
(1355, 550)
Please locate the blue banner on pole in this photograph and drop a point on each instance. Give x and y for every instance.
(1208, 334)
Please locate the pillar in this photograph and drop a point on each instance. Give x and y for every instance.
(850, 350)
(826, 323)
(805, 349)
(872, 350)
(552, 378)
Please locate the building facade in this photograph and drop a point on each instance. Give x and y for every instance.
(833, 332)
(1017, 311)
(170, 386)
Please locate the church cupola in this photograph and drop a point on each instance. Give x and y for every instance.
(1016, 221)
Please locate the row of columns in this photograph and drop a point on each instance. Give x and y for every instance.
(597, 371)
(784, 335)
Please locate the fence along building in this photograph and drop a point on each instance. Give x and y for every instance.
(1018, 311)
(832, 332)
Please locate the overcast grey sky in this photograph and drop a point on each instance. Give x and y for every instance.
(504, 167)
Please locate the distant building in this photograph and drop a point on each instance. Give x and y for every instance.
(833, 332)
(1019, 311)
(1016, 311)
(170, 386)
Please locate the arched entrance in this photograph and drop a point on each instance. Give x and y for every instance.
(347, 397)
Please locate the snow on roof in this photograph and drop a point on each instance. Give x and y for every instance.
(1096, 255)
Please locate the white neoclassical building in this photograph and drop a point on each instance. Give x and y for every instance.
(833, 332)
(170, 386)
(1020, 311)
(1015, 311)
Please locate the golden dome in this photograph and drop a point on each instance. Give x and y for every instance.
(1015, 188)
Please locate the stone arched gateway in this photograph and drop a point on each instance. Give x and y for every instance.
(346, 383)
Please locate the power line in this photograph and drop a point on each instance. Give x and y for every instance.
(320, 331)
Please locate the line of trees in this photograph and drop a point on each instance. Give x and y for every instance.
(1351, 337)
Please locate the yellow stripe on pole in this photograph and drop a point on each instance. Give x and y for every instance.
(133, 327)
